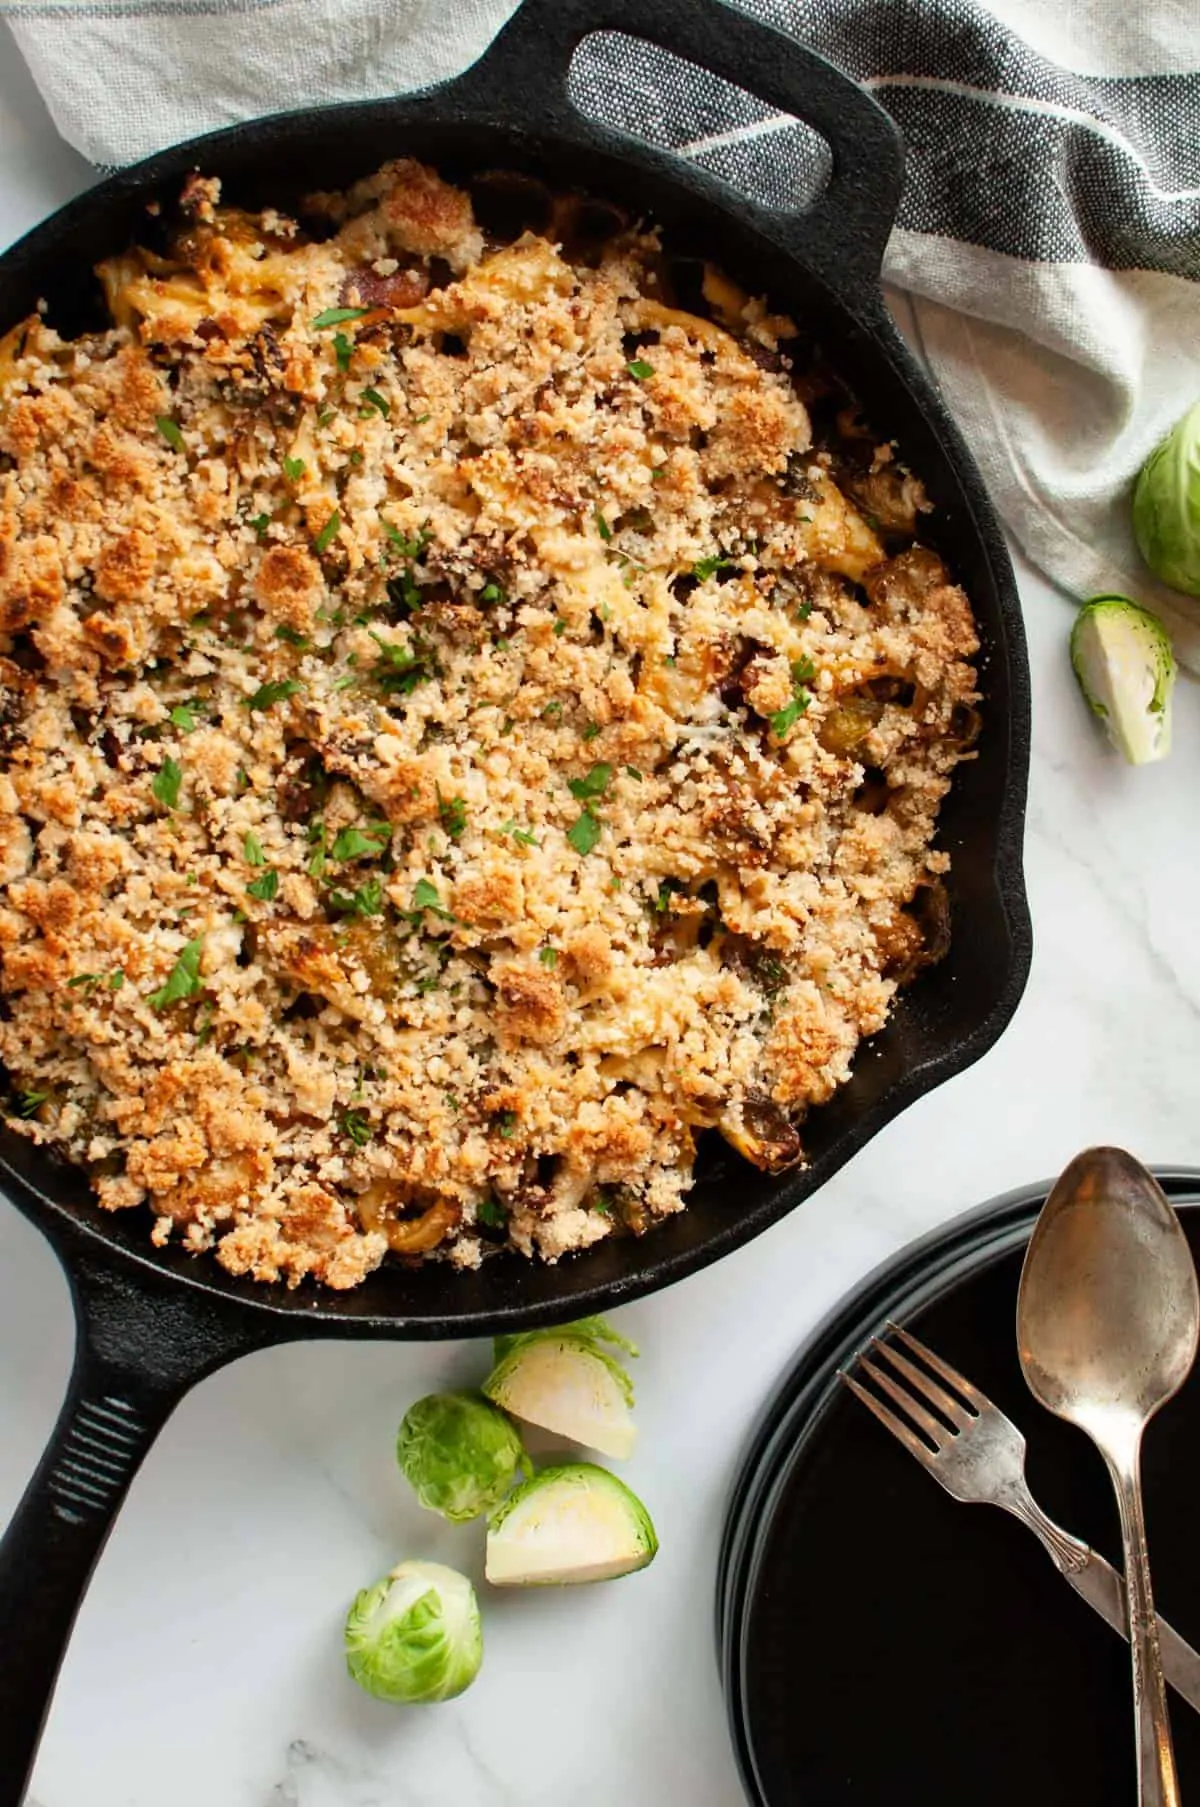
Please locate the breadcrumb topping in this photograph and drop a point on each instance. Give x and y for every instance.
(462, 731)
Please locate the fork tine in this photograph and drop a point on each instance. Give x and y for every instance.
(890, 1422)
(929, 1389)
(950, 1375)
(937, 1433)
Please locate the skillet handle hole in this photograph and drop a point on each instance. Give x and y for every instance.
(768, 156)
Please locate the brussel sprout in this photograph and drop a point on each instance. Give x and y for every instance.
(459, 1453)
(569, 1524)
(1126, 670)
(1166, 506)
(416, 1635)
(568, 1385)
(595, 1329)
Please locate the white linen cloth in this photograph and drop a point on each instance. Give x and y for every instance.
(1049, 237)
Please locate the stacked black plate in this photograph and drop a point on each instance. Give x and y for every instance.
(880, 1644)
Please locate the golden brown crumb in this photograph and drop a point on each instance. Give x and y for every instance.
(459, 736)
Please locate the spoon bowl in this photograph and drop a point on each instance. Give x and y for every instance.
(1108, 1314)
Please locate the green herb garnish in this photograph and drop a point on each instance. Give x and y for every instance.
(602, 527)
(452, 812)
(29, 1102)
(183, 980)
(506, 1123)
(375, 403)
(266, 888)
(260, 523)
(705, 567)
(367, 900)
(186, 716)
(425, 897)
(785, 718)
(325, 538)
(343, 350)
(522, 835)
(640, 369)
(548, 956)
(277, 692)
(167, 781)
(252, 850)
(491, 1213)
(633, 773)
(170, 432)
(353, 843)
(596, 782)
(357, 1125)
(335, 316)
(584, 832)
(292, 637)
(293, 469)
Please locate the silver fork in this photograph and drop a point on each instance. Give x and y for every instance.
(982, 1460)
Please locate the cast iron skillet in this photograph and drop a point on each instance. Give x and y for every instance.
(151, 1324)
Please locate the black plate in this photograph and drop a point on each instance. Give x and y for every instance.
(880, 1643)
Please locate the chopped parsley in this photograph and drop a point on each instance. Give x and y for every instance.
(591, 731)
(407, 548)
(602, 1203)
(521, 835)
(584, 832)
(633, 773)
(260, 523)
(804, 611)
(548, 956)
(28, 1103)
(506, 1123)
(316, 836)
(705, 567)
(343, 350)
(560, 627)
(268, 694)
(167, 781)
(420, 419)
(595, 784)
(666, 890)
(603, 528)
(785, 718)
(183, 980)
(491, 1213)
(325, 538)
(353, 843)
(252, 850)
(170, 432)
(491, 592)
(425, 897)
(367, 900)
(185, 716)
(398, 667)
(293, 469)
(292, 636)
(357, 1125)
(452, 812)
(266, 888)
(640, 369)
(114, 980)
(375, 404)
(336, 316)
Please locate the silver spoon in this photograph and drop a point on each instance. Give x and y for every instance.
(1107, 1320)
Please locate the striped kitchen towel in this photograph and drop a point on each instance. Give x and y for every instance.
(1048, 240)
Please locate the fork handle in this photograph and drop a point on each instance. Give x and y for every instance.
(1095, 1580)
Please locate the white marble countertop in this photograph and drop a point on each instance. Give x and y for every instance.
(205, 1667)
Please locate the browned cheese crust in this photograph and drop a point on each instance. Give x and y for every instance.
(460, 736)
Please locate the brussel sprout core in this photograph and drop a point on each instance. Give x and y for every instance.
(1166, 506)
(460, 1454)
(416, 1635)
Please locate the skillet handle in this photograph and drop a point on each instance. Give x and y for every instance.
(845, 229)
(137, 1352)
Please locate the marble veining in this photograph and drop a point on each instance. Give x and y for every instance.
(205, 1667)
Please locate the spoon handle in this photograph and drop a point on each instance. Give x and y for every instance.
(1158, 1785)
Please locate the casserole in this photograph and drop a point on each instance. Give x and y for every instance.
(151, 1324)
